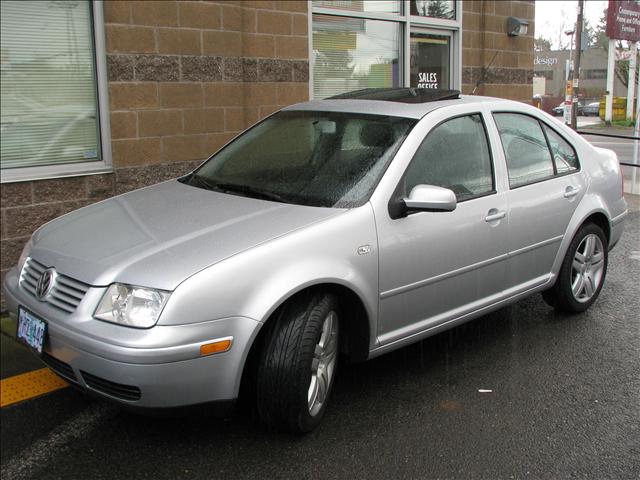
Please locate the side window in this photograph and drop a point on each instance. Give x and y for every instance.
(526, 150)
(454, 155)
(564, 155)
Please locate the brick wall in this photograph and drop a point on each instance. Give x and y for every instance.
(184, 77)
(484, 34)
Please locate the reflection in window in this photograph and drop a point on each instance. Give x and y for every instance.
(434, 8)
(378, 6)
(354, 53)
(454, 155)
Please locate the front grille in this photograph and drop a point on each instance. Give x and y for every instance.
(117, 390)
(66, 293)
(59, 367)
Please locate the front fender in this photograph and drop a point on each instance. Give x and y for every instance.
(254, 283)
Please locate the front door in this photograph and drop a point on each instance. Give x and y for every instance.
(435, 266)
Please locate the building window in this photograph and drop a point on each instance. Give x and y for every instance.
(50, 115)
(434, 8)
(363, 44)
(595, 74)
(378, 6)
(354, 53)
(430, 60)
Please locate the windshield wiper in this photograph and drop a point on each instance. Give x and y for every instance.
(246, 190)
(250, 191)
(202, 182)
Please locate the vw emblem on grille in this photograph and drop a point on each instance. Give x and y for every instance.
(45, 283)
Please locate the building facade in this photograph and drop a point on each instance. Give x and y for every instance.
(99, 98)
(552, 66)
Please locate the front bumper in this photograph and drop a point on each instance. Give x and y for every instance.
(160, 367)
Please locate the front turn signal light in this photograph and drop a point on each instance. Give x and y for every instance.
(218, 346)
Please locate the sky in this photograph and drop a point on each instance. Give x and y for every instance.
(553, 17)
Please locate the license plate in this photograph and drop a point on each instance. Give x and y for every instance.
(31, 330)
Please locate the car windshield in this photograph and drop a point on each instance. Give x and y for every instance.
(323, 159)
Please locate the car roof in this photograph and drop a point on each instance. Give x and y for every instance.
(394, 108)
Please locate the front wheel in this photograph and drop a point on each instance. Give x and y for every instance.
(583, 271)
(299, 362)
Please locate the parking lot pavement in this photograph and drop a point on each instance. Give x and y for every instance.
(561, 399)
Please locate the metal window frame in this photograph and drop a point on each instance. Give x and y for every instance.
(104, 165)
(440, 26)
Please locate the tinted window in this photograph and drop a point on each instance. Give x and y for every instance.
(309, 158)
(454, 155)
(564, 155)
(526, 150)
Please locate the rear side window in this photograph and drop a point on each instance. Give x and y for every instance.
(454, 155)
(525, 147)
(564, 156)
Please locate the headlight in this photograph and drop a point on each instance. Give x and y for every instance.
(25, 254)
(131, 306)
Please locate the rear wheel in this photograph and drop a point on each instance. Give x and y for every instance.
(583, 271)
(299, 362)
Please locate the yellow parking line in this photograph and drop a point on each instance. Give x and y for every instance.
(29, 385)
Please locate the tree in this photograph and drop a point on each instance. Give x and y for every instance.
(439, 9)
(541, 44)
(590, 34)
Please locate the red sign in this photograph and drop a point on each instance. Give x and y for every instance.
(623, 20)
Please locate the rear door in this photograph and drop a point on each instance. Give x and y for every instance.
(545, 187)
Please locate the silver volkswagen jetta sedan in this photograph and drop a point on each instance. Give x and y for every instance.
(354, 225)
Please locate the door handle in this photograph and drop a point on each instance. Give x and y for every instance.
(570, 191)
(494, 215)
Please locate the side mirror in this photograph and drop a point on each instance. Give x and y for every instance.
(431, 199)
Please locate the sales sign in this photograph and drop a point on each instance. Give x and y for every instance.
(623, 20)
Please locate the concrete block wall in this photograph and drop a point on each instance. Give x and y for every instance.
(484, 34)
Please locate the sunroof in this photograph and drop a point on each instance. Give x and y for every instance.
(402, 95)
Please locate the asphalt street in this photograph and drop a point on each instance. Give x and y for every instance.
(563, 402)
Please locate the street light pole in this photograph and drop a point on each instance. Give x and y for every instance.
(576, 70)
(567, 95)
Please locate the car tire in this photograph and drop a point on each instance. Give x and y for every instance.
(582, 273)
(298, 363)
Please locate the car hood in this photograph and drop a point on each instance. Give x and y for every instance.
(160, 235)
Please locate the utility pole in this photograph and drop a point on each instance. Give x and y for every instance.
(576, 69)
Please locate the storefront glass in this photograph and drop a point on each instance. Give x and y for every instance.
(364, 44)
(354, 53)
(429, 60)
(379, 6)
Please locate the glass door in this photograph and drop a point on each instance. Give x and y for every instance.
(430, 60)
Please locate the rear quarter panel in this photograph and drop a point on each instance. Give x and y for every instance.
(604, 192)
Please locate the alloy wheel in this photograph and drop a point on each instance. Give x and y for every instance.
(587, 268)
(323, 363)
